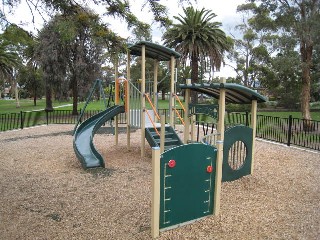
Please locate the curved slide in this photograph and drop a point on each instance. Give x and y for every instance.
(83, 137)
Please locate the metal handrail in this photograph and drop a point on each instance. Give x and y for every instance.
(179, 116)
(154, 126)
(153, 108)
(176, 96)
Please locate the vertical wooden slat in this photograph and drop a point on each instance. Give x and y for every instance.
(143, 102)
(155, 201)
(218, 179)
(254, 105)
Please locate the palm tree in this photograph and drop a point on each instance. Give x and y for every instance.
(9, 60)
(197, 37)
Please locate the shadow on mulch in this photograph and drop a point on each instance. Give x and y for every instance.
(102, 130)
(100, 172)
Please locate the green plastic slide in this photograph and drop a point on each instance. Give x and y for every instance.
(83, 137)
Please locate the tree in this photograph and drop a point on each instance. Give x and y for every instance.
(251, 56)
(300, 20)
(118, 8)
(71, 49)
(53, 59)
(8, 61)
(17, 40)
(196, 37)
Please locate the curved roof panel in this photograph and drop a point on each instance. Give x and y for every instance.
(154, 51)
(235, 93)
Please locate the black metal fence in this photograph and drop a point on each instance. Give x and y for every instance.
(290, 131)
(11, 121)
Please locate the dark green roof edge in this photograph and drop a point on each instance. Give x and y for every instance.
(153, 50)
(235, 93)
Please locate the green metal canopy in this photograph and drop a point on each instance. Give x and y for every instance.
(154, 51)
(235, 93)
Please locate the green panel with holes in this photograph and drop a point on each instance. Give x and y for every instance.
(237, 153)
(187, 183)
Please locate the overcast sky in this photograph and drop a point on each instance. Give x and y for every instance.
(225, 11)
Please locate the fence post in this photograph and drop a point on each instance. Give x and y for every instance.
(289, 130)
(21, 120)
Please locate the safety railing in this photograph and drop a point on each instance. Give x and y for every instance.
(152, 106)
(152, 122)
(135, 105)
(176, 111)
(210, 139)
(155, 113)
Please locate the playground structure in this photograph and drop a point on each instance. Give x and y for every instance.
(186, 176)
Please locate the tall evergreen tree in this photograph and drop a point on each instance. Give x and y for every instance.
(298, 19)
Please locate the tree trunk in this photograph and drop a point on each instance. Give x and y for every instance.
(75, 96)
(16, 93)
(306, 48)
(305, 94)
(35, 95)
(194, 76)
(163, 95)
(49, 107)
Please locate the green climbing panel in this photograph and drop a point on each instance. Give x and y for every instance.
(187, 183)
(207, 109)
(237, 153)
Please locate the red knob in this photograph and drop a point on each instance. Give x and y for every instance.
(172, 163)
(209, 169)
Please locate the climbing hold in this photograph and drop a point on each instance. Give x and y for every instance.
(172, 163)
(209, 169)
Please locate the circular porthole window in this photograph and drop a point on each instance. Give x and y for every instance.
(237, 155)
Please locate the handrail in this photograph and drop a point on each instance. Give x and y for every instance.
(210, 139)
(154, 126)
(179, 116)
(175, 95)
(154, 109)
(134, 87)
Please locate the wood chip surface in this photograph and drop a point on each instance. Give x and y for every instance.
(45, 194)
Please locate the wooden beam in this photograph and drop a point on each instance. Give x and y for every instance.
(155, 86)
(172, 83)
(128, 100)
(218, 180)
(117, 100)
(155, 201)
(254, 107)
(186, 132)
(143, 102)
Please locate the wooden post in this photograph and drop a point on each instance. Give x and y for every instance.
(117, 100)
(162, 132)
(155, 201)
(143, 102)
(254, 107)
(222, 107)
(128, 100)
(186, 115)
(155, 86)
(193, 119)
(171, 104)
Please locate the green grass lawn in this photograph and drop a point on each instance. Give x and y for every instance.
(314, 115)
(9, 106)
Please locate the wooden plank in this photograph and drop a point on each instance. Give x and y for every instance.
(155, 201)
